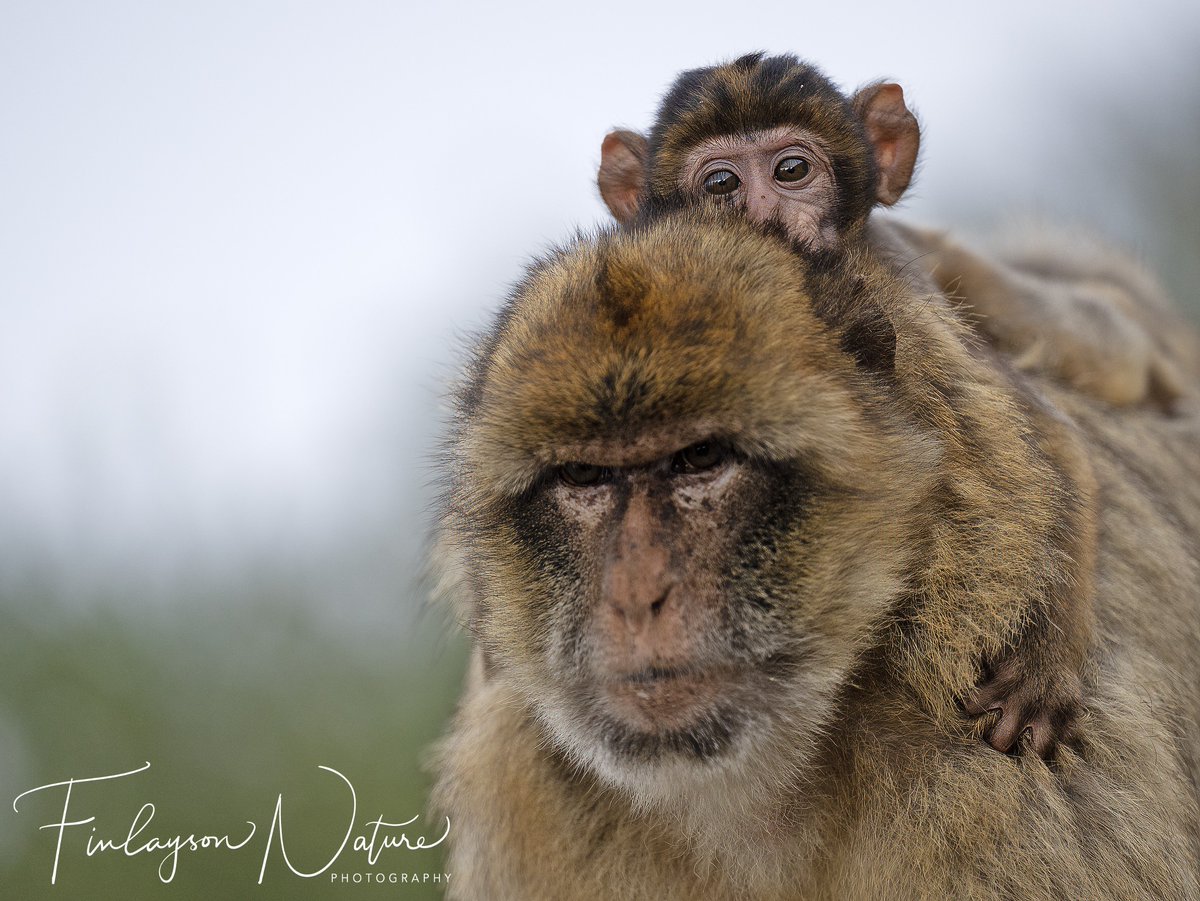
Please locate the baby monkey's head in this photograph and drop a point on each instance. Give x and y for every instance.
(774, 135)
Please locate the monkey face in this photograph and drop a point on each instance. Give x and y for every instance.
(683, 505)
(779, 173)
(777, 137)
(670, 638)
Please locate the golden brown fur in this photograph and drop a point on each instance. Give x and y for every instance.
(755, 92)
(952, 502)
(740, 119)
(1063, 306)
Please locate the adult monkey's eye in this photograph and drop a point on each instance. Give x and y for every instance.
(700, 456)
(792, 168)
(581, 475)
(721, 182)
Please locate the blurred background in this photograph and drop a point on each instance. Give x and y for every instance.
(240, 247)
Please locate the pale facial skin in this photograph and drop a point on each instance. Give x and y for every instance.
(652, 646)
(778, 173)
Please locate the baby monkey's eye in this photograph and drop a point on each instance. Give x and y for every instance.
(581, 475)
(792, 168)
(721, 182)
(700, 456)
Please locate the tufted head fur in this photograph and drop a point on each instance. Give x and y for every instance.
(757, 92)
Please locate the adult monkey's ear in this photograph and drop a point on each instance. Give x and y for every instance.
(623, 157)
(894, 133)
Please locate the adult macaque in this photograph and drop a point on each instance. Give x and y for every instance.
(774, 135)
(732, 526)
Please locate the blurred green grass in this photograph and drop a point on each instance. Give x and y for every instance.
(232, 705)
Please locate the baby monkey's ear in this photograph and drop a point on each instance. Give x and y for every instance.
(894, 134)
(622, 175)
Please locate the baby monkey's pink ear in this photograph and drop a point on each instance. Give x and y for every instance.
(622, 175)
(893, 132)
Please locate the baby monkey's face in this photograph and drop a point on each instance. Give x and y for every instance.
(780, 173)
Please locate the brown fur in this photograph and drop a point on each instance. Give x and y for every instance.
(1085, 316)
(950, 505)
(757, 92)
(1067, 305)
(1091, 332)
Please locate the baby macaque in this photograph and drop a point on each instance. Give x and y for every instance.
(774, 135)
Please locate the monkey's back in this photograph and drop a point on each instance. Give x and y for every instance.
(1148, 565)
(1120, 819)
